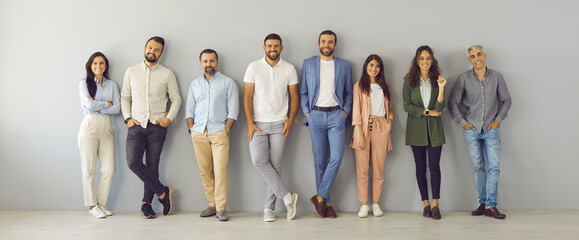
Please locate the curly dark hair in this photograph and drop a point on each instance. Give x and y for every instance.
(380, 79)
(413, 74)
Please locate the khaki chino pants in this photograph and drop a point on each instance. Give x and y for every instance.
(212, 154)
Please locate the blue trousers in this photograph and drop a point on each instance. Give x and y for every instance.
(487, 181)
(327, 129)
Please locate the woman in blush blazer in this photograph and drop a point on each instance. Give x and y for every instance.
(372, 116)
(423, 100)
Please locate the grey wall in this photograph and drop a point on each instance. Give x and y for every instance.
(45, 44)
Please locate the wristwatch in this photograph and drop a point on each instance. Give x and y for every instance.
(127, 120)
(426, 113)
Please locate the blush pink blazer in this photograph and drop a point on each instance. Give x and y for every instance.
(361, 114)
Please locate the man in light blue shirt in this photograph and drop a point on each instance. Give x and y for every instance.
(212, 108)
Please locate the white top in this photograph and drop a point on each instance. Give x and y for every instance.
(425, 91)
(146, 91)
(377, 100)
(327, 96)
(270, 91)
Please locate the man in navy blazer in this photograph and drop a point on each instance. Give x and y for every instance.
(326, 100)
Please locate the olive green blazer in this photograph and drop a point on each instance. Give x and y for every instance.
(416, 124)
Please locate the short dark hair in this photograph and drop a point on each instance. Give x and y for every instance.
(272, 36)
(159, 40)
(208, 51)
(328, 32)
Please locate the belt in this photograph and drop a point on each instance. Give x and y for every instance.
(327, 109)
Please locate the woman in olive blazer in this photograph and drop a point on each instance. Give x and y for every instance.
(423, 100)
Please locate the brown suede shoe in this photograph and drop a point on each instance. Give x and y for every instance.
(479, 211)
(427, 212)
(330, 213)
(320, 207)
(436, 213)
(494, 212)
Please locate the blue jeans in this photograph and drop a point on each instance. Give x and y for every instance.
(327, 128)
(486, 180)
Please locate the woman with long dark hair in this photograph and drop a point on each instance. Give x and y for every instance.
(423, 100)
(372, 116)
(99, 98)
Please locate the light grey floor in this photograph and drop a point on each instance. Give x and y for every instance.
(520, 224)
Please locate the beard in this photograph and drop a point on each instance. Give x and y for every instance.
(210, 71)
(151, 59)
(328, 54)
(272, 58)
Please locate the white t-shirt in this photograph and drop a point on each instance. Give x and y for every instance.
(377, 100)
(270, 92)
(425, 92)
(327, 96)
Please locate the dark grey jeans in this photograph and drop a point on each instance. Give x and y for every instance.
(151, 140)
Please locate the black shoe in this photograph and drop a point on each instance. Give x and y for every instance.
(147, 211)
(167, 201)
(436, 213)
(427, 212)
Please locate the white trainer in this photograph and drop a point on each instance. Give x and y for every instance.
(363, 211)
(97, 212)
(376, 210)
(291, 207)
(105, 210)
(268, 216)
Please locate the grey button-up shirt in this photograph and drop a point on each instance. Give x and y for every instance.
(485, 101)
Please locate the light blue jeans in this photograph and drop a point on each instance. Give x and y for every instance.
(327, 129)
(486, 180)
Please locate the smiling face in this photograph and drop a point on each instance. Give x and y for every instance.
(477, 59)
(327, 44)
(209, 63)
(424, 60)
(373, 69)
(272, 48)
(98, 66)
(153, 51)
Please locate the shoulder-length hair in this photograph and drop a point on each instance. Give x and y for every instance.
(380, 79)
(90, 84)
(413, 74)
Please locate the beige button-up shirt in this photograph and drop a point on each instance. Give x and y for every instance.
(146, 91)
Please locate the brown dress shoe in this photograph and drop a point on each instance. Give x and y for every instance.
(320, 207)
(479, 211)
(494, 212)
(330, 213)
(427, 212)
(436, 213)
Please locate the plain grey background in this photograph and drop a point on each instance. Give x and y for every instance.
(45, 44)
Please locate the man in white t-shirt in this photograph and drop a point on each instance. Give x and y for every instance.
(326, 100)
(266, 85)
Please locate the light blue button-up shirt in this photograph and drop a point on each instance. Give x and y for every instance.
(211, 103)
(108, 92)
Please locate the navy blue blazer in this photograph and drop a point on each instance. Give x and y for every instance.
(310, 84)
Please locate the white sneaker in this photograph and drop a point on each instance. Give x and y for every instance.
(97, 212)
(363, 211)
(268, 216)
(376, 210)
(291, 207)
(106, 211)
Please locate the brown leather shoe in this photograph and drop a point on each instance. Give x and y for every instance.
(479, 211)
(320, 207)
(436, 213)
(330, 213)
(427, 212)
(494, 212)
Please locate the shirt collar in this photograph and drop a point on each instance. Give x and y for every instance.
(96, 80)
(486, 72)
(153, 68)
(279, 63)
